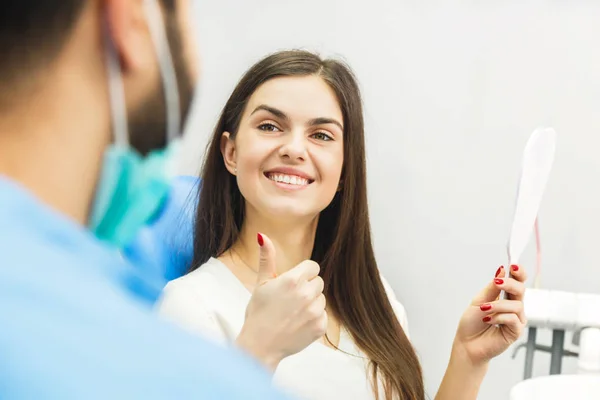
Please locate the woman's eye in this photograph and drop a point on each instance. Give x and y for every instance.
(322, 136)
(268, 127)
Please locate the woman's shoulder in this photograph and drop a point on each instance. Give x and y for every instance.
(207, 286)
(203, 277)
(193, 300)
(398, 307)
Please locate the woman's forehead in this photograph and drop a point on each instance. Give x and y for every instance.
(304, 97)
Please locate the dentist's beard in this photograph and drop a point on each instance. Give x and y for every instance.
(148, 123)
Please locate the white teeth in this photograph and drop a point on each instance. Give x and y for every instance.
(289, 179)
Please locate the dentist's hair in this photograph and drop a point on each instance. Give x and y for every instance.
(32, 35)
(342, 248)
(32, 32)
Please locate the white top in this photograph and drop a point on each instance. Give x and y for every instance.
(211, 301)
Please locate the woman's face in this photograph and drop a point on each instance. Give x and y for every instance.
(289, 149)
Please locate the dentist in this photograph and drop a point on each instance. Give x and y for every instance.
(93, 96)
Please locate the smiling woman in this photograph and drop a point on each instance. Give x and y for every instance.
(283, 261)
(288, 149)
(287, 159)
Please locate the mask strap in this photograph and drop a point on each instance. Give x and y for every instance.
(167, 69)
(116, 92)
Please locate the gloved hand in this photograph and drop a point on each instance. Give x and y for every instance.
(286, 313)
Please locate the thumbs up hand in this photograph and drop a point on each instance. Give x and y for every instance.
(286, 313)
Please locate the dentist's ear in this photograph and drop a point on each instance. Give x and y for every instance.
(128, 30)
(228, 152)
(340, 186)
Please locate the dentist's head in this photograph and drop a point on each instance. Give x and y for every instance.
(93, 97)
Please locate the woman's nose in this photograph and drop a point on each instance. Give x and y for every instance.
(294, 147)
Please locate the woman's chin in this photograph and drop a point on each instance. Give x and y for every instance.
(289, 213)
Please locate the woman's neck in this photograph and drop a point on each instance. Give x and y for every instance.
(294, 241)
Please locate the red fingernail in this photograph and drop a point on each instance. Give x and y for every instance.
(515, 267)
(485, 307)
(260, 239)
(498, 281)
(498, 271)
(487, 319)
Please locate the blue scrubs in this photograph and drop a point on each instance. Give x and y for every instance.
(76, 321)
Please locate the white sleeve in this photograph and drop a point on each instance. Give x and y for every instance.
(179, 304)
(397, 306)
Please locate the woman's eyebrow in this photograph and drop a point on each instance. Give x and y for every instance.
(313, 122)
(272, 110)
(324, 121)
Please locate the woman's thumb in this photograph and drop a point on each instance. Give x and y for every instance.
(267, 269)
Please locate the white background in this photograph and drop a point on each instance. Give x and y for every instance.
(452, 91)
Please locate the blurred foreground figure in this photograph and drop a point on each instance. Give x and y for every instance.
(93, 95)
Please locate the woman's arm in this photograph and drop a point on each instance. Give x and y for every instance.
(285, 314)
(478, 340)
(181, 305)
(487, 328)
(462, 378)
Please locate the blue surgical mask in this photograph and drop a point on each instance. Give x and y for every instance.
(132, 188)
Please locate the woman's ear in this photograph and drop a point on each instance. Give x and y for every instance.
(340, 185)
(228, 152)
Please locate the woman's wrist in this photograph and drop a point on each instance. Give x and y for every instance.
(463, 376)
(246, 342)
(460, 358)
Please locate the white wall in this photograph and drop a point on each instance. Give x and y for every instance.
(452, 92)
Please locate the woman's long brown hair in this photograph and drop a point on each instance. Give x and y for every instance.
(342, 248)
